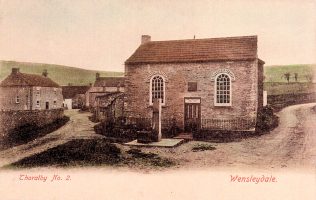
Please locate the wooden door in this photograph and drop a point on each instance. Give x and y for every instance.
(192, 114)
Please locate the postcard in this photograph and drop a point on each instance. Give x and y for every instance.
(118, 99)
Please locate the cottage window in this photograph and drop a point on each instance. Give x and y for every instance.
(157, 89)
(17, 99)
(223, 90)
(37, 103)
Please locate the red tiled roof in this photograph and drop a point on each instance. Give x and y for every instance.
(70, 92)
(22, 79)
(196, 50)
(109, 82)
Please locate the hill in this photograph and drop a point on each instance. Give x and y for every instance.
(59, 73)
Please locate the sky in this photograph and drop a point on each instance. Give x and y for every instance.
(101, 35)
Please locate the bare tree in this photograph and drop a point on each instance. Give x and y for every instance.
(287, 76)
(295, 76)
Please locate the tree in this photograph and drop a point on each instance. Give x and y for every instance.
(295, 76)
(287, 76)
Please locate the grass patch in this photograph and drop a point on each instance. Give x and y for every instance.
(149, 159)
(277, 88)
(92, 152)
(79, 152)
(203, 147)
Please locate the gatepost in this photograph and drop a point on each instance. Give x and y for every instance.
(157, 118)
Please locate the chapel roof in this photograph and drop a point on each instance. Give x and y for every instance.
(196, 50)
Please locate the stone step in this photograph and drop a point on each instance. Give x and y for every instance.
(185, 136)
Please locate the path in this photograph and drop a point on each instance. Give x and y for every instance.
(78, 127)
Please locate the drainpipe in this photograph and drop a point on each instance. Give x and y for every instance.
(31, 98)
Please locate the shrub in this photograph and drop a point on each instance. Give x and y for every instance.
(266, 120)
(172, 130)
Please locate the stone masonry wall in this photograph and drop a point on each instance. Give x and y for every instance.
(260, 86)
(177, 76)
(10, 120)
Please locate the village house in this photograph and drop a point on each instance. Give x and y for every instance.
(103, 86)
(74, 96)
(214, 84)
(28, 100)
(21, 91)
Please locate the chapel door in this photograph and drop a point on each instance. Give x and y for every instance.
(47, 105)
(192, 114)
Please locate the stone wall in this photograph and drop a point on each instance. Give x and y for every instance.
(244, 89)
(278, 102)
(10, 120)
(260, 85)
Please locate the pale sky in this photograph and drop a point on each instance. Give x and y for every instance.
(103, 34)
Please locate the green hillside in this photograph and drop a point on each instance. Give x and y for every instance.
(59, 73)
(275, 73)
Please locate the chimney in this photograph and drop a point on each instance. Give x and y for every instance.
(45, 73)
(145, 39)
(97, 76)
(15, 70)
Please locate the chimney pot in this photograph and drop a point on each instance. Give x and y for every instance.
(15, 70)
(45, 73)
(145, 39)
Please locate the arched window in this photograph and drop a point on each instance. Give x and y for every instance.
(223, 95)
(157, 89)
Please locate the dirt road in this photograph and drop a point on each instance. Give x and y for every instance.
(291, 145)
(78, 127)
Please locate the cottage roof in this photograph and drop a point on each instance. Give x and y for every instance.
(109, 82)
(70, 92)
(107, 99)
(22, 79)
(196, 50)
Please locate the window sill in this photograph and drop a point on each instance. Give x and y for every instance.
(150, 106)
(223, 105)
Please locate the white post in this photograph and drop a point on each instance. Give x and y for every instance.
(157, 117)
(265, 98)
